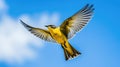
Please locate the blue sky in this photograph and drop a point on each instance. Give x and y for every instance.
(99, 41)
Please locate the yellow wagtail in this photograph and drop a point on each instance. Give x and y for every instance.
(65, 31)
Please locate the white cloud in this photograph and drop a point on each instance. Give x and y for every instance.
(15, 40)
(45, 18)
(3, 6)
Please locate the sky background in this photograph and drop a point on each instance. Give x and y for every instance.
(99, 41)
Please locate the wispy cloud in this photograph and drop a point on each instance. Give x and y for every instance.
(15, 40)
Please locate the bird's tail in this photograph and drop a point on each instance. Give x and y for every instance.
(69, 51)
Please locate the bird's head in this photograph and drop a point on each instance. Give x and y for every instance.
(51, 26)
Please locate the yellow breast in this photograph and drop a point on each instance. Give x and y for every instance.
(57, 35)
(57, 31)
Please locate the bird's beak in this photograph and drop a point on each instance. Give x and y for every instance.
(46, 25)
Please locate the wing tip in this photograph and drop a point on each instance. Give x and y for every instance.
(89, 5)
(23, 22)
(88, 8)
(25, 25)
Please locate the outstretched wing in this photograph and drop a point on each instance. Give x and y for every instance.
(76, 22)
(43, 34)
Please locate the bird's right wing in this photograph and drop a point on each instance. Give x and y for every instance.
(43, 34)
(76, 22)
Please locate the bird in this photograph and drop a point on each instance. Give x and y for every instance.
(65, 31)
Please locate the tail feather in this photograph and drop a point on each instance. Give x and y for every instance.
(70, 52)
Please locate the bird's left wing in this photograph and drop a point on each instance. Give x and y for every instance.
(41, 33)
(76, 22)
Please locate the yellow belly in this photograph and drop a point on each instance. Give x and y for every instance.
(57, 35)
